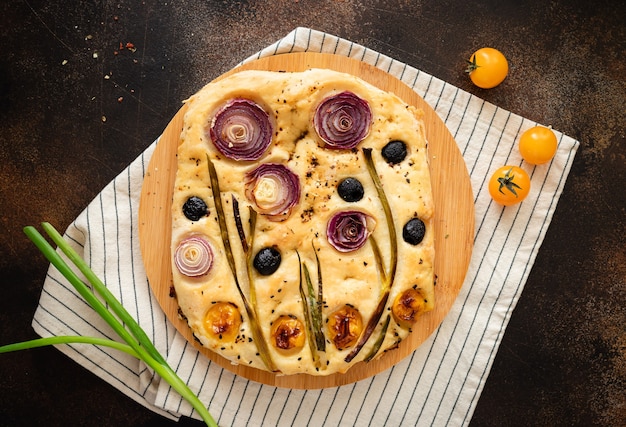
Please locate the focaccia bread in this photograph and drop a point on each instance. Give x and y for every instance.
(302, 220)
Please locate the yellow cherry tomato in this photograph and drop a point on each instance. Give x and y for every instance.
(223, 321)
(537, 145)
(487, 67)
(509, 185)
(288, 333)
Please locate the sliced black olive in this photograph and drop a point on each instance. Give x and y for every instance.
(195, 208)
(350, 189)
(413, 231)
(267, 261)
(394, 152)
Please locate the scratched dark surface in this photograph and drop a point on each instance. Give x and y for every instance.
(75, 110)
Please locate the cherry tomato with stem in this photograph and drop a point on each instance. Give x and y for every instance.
(487, 67)
(509, 185)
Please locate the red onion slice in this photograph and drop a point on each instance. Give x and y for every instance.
(241, 130)
(274, 189)
(348, 231)
(194, 256)
(343, 120)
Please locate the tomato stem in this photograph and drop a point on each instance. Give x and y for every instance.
(471, 65)
(507, 181)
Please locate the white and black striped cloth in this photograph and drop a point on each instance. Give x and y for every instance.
(438, 384)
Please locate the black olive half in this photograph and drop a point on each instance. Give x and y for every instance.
(195, 208)
(267, 261)
(413, 231)
(394, 152)
(350, 189)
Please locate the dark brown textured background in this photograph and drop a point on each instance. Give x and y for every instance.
(75, 110)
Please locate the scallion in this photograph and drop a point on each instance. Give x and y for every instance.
(387, 277)
(137, 342)
(257, 333)
(307, 314)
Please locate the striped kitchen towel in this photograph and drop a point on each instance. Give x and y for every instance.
(438, 384)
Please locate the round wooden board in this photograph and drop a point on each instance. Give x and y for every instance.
(454, 220)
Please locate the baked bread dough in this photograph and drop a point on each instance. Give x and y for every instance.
(276, 290)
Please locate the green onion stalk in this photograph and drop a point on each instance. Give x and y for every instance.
(311, 307)
(137, 342)
(315, 306)
(387, 276)
(257, 333)
(307, 316)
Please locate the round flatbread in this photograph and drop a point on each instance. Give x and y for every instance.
(302, 235)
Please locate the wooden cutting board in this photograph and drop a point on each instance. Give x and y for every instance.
(454, 220)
